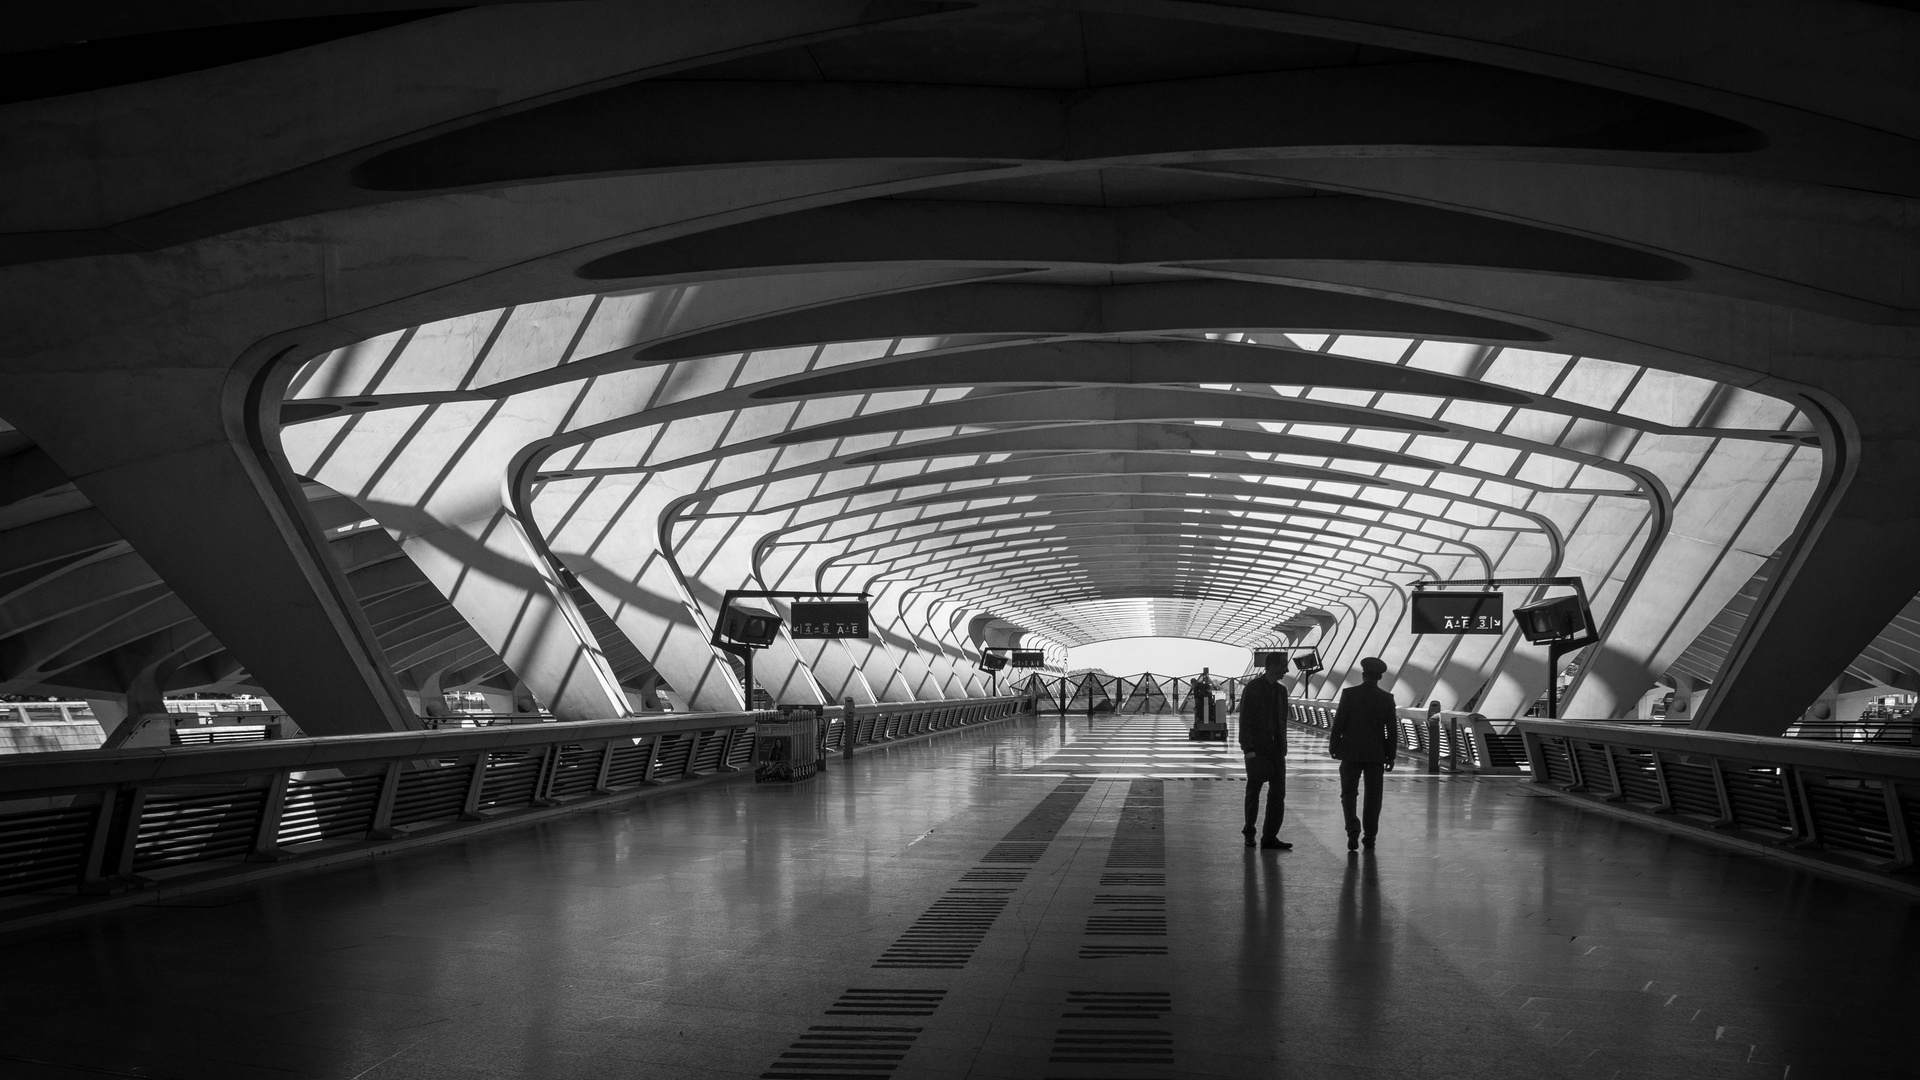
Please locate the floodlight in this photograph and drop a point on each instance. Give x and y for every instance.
(992, 661)
(1557, 619)
(754, 628)
(1308, 662)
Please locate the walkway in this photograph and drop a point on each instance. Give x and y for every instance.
(969, 907)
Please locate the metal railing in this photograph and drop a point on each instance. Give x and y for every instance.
(1463, 742)
(1853, 805)
(87, 823)
(1146, 692)
(1893, 732)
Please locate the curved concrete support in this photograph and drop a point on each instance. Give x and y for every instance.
(141, 443)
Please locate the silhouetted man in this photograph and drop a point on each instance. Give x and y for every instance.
(1202, 688)
(1365, 728)
(1263, 738)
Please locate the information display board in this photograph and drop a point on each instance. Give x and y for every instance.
(1029, 658)
(1457, 613)
(829, 619)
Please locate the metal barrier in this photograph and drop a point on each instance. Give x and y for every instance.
(1897, 732)
(1853, 805)
(84, 824)
(1463, 742)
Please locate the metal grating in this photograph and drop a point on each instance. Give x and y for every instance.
(1117, 1005)
(1134, 877)
(707, 759)
(1593, 767)
(1850, 815)
(430, 794)
(1637, 778)
(1508, 751)
(947, 935)
(1691, 788)
(1759, 798)
(178, 829)
(869, 1002)
(44, 849)
(576, 772)
(1910, 809)
(1559, 766)
(629, 765)
(740, 750)
(327, 809)
(510, 781)
(831, 1052)
(675, 751)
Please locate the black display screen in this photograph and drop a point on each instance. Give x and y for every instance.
(829, 619)
(1029, 658)
(1458, 613)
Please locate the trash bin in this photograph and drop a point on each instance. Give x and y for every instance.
(785, 752)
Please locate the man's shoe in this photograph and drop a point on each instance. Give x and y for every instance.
(1367, 843)
(1249, 833)
(1276, 845)
(1353, 843)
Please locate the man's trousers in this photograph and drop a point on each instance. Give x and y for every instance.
(1367, 823)
(1270, 773)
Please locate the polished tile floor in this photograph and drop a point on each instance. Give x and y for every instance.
(990, 904)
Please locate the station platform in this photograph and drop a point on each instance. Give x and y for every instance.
(1041, 898)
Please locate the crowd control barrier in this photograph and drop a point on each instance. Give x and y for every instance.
(1463, 742)
(82, 830)
(1853, 806)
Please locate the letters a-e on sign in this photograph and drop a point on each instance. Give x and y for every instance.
(829, 619)
(1457, 613)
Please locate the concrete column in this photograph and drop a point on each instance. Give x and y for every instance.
(489, 571)
(164, 433)
(1837, 590)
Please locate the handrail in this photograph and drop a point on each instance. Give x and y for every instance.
(1876, 758)
(64, 771)
(93, 823)
(1446, 741)
(1853, 806)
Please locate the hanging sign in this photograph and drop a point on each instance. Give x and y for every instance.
(1029, 658)
(829, 619)
(1457, 613)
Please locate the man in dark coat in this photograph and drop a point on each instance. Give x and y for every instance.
(1365, 728)
(1263, 738)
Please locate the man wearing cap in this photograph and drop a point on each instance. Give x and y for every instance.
(1362, 739)
(1263, 739)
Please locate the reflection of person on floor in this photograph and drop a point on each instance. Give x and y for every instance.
(1362, 738)
(1263, 738)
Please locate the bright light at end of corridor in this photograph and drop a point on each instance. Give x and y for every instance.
(1160, 655)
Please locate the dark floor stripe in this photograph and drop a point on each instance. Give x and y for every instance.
(832, 1052)
(947, 935)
